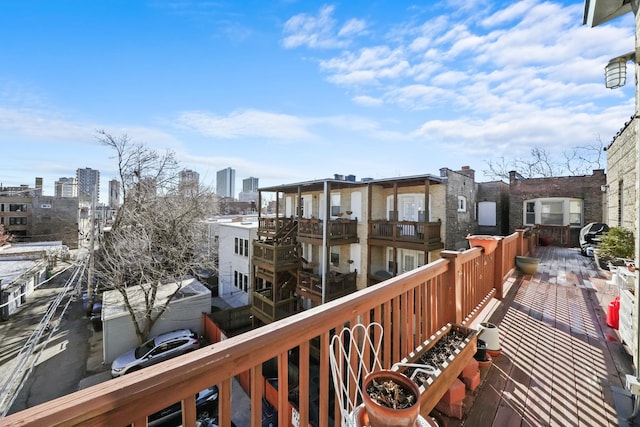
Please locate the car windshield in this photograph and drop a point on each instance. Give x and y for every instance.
(144, 349)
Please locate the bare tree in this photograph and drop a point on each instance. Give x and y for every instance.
(158, 236)
(579, 160)
(5, 237)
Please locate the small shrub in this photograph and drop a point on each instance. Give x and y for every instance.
(618, 242)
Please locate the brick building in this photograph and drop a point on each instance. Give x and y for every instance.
(620, 200)
(565, 201)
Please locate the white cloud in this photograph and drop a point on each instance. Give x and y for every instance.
(367, 101)
(368, 66)
(320, 31)
(246, 123)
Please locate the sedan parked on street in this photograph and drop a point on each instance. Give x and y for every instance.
(156, 350)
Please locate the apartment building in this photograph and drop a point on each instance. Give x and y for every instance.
(330, 237)
(235, 275)
(33, 218)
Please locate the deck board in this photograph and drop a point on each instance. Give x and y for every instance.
(559, 358)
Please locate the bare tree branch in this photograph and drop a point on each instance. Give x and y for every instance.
(158, 237)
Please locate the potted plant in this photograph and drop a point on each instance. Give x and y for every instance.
(391, 399)
(487, 242)
(528, 265)
(615, 246)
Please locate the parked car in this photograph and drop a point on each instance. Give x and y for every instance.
(206, 408)
(155, 350)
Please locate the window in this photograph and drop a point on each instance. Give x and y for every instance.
(551, 213)
(245, 284)
(620, 203)
(17, 207)
(17, 221)
(575, 212)
(462, 204)
(409, 263)
(530, 215)
(335, 204)
(236, 250)
(246, 247)
(235, 278)
(335, 256)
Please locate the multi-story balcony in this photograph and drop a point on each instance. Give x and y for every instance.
(338, 285)
(339, 231)
(410, 308)
(411, 234)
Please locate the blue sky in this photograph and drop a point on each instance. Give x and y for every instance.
(289, 91)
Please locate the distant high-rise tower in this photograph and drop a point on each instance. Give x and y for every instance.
(249, 191)
(189, 182)
(88, 182)
(66, 187)
(250, 185)
(226, 182)
(39, 186)
(114, 194)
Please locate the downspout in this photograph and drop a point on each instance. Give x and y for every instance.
(636, 307)
(327, 202)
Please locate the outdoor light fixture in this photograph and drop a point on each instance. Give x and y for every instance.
(615, 73)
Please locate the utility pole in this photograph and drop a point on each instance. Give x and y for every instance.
(92, 227)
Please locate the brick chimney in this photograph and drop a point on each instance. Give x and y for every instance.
(466, 170)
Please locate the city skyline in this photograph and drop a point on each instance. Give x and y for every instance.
(295, 91)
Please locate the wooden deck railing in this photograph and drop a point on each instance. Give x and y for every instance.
(275, 255)
(337, 228)
(409, 231)
(339, 284)
(411, 307)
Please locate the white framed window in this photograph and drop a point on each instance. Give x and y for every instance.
(462, 204)
(553, 211)
(335, 204)
(410, 207)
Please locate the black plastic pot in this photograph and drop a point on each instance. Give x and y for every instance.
(481, 351)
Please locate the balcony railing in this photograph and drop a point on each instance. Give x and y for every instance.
(337, 228)
(286, 255)
(271, 226)
(411, 307)
(269, 310)
(338, 284)
(406, 231)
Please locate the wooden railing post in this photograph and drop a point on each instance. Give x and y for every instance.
(521, 242)
(498, 266)
(454, 287)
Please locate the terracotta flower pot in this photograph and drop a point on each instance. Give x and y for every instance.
(384, 416)
(487, 242)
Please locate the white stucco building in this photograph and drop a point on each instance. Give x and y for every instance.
(235, 248)
(184, 312)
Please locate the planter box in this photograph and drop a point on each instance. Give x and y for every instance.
(437, 384)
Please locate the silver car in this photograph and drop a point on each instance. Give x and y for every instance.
(156, 350)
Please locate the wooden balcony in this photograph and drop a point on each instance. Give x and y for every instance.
(339, 231)
(268, 310)
(411, 307)
(410, 234)
(338, 285)
(269, 227)
(275, 257)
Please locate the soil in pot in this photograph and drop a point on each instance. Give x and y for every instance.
(438, 355)
(391, 399)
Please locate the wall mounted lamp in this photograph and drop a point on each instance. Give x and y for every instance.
(615, 73)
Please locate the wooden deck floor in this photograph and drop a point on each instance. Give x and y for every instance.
(559, 359)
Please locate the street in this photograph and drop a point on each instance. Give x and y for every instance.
(59, 358)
